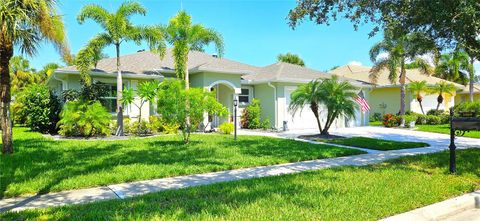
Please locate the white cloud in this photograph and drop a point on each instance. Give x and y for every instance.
(355, 63)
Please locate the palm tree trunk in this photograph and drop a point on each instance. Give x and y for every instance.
(6, 53)
(472, 75)
(402, 91)
(421, 107)
(314, 108)
(119, 94)
(187, 103)
(439, 101)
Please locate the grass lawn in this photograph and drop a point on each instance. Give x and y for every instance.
(445, 129)
(345, 193)
(42, 165)
(375, 144)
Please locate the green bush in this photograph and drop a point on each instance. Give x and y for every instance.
(434, 120)
(139, 128)
(39, 108)
(390, 120)
(376, 117)
(84, 119)
(410, 118)
(155, 124)
(170, 128)
(251, 115)
(468, 107)
(226, 128)
(266, 124)
(435, 112)
(421, 119)
(444, 118)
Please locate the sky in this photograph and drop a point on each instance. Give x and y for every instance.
(254, 32)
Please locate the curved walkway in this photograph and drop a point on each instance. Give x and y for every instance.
(120, 191)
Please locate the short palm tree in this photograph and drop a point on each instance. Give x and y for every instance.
(441, 89)
(185, 36)
(399, 50)
(417, 88)
(307, 94)
(450, 65)
(291, 58)
(118, 29)
(24, 24)
(337, 96)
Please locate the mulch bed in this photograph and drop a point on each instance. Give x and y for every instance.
(314, 137)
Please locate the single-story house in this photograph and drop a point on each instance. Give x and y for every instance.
(229, 79)
(384, 96)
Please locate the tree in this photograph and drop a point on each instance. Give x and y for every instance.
(471, 78)
(337, 96)
(118, 29)
(417, 88)
(399, 50)
(450, 22)
(185, 36)
(24, 24)
(442, 88)
(450, 65)
(146, 91)
(290, 58)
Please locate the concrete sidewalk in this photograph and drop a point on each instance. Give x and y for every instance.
(120, 191)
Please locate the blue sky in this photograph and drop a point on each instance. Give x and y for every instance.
(255, 32)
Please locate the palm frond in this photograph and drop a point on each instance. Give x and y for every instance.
(130, 8)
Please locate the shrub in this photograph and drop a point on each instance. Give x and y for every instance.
(39, 109)
(421, 119)
(433, 120)
(84, 119)
(435, 112)
(170, 128)
(468, 107)
(376, 117)
(226, 128)
(139, 128)
(390, 120)
(444, 118)
(251, 115)
(266, 124)
(155, 124)
(410, 118)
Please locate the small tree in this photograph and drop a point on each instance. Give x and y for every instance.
(172, 103)
(417, 88)
(442, 88)
(146, 91)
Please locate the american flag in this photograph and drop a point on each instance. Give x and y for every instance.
(360, 99)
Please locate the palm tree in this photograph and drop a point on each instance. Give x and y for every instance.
(307, 94)
(337, 96)
(118, 29)
(450, 65)
(417, 88)
(399, 50)
(291, 58)
(185, 36)
(471, 77)
(442, 88)
(24, 24)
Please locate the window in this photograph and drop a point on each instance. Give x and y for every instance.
(244, 97)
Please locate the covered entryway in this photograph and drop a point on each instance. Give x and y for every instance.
(225, 92)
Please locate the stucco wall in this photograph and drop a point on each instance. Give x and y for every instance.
(459, 98)
(265, 94)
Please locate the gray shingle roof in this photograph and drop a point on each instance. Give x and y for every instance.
(149, 63)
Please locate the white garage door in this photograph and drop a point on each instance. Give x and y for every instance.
(301, 120)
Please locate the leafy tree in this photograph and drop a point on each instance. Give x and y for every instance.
(450, 65)
(417, 88)
(21, 74)
(146, 91)
(452, 23)
(442, 88)
(24, 24)
(251, 115)
(290, 58)
(337, 96)
(172, 102)
(118, 29)
(399, 50)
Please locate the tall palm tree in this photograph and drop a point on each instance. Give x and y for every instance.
(399, 50)
(291, 58)
(307, 94)
(185, 36)
(441, 89)
(337, 96)
(471, 78)
(417, 88)
(24, 24)
(118, 29)
(450, 65)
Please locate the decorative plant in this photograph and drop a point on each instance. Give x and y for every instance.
(441, 89)
(251, 115)
(226, 128)
(146, 91)
(390, 120)
(417, 88)
(84, 119)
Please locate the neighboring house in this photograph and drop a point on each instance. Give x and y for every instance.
(229, 79)
(464, 95)
(384, 97)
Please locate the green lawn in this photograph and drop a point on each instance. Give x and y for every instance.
(42, 165)
(345, 193)
(375, 144)
(445, 129)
